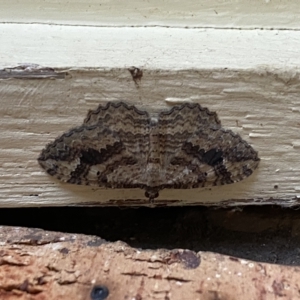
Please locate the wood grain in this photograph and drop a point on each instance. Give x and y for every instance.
(37, 264)
(262, 107)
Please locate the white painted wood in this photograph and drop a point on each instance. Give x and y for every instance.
(250, 77)
(278, 14)
(151, 48)
(263, 107)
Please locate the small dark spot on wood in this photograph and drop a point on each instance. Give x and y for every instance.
(275, 186)
(64, 250)
(136, 74)
(99, 292)
(41, 280)
(278, 288)
(190, 259)
(138, 297)
(24, 286)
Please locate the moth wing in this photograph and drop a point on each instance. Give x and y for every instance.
(212, 156)
(92, 155)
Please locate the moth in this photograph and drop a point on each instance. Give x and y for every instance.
(119, 146)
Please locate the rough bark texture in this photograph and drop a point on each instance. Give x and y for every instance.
(35, 264)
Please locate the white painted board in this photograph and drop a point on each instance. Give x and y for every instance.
(264, 108)
(151, 48)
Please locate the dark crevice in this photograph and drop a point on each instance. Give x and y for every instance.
(266, 233)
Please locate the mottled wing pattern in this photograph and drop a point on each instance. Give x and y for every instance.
(109, 149)
(174, 128)
(131, 124)
(221, 156)
(119, 146)
(178, 124)
(199, 152)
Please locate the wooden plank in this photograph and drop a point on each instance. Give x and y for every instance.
(262, 107)
(57, 265)
(151, 48)
(278, 14)
(255, 95)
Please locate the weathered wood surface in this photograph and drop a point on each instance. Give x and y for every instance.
(35, 265)
(278, 14)
(262, 107)
(250, 77)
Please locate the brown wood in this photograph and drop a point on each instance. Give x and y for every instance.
(36, 264)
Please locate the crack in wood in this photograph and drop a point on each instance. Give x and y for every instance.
(31, 71)
(25, 287)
